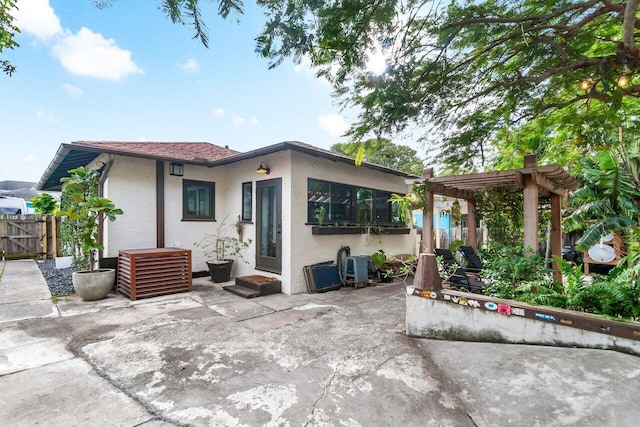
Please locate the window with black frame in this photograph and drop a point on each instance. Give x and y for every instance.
(198, 200)
(334, 203)
(247, 201)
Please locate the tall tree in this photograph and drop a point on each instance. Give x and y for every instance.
(457, 73)
(462, 71)
(466, 69)
(383, 152)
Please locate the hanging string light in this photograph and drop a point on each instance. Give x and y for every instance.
(586, 84)
(623, 81)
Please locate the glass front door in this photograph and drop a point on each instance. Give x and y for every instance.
(269, 225)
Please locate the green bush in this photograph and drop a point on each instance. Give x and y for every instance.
(521, 275)
(44, 204)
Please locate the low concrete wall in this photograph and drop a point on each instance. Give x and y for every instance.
(469, 317)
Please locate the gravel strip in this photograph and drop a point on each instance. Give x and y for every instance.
(59, 280)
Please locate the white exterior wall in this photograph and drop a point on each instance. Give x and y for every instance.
(131, 186)
(309, 249)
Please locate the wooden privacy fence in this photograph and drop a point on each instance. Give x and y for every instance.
(30, 236)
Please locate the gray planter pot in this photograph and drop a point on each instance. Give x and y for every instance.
(93, 285)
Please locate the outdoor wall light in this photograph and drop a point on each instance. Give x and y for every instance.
(176, 169)
(263, 169)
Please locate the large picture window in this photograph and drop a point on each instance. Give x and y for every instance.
(334, 203)
(198, 200)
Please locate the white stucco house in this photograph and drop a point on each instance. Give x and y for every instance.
(290, 196)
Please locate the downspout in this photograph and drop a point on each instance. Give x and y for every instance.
(103, 177)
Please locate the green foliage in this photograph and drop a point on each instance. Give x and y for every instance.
(187, 12)
(465, 70)
(383, 152)
(518, 275)
(85, 183)
(406, 204)
(82, 211)
(622, 292)
(503, 213)
(404, 268)
(455, 244)
(605, 202)
(44, 204)
(378, 258)
(632, 259)
(466, 75)
(8, 32)
(513, 266)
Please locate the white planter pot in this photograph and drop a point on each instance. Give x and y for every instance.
(93, 285)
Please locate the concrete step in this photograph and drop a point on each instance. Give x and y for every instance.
(254, 286)
(263, 284)
(242, 291)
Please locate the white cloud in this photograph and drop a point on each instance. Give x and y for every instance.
(239, 121)
(191, 66)
(89, 54)
(218, 112)
(48, 116)
(29, 158)
(253, 121)
(74, 92)
(38, 18)
(333, 124)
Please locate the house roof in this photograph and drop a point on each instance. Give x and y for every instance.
(81, 153)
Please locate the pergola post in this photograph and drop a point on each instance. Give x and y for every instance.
(472, 227)
(556, 234)
(428, 244)
(530, 205)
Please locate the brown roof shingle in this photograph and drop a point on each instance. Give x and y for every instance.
(198, 152)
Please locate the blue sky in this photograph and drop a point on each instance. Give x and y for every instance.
(126, 73)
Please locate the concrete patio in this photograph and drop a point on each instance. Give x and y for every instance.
(340, 358)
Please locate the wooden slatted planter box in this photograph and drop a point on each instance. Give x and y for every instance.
(144, 273)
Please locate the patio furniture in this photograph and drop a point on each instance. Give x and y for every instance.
(456, 275)
(474, 263)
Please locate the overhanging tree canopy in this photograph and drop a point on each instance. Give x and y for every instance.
(468, 69)
(462, 70)
(457, 72)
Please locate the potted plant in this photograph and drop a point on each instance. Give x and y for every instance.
(222, 245)
(378, 258)
(82, 214)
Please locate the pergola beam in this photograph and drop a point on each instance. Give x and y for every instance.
(443, 190)
(534, 180)
(546, 183)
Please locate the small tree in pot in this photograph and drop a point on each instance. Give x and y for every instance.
(221, 245)
(83, 215)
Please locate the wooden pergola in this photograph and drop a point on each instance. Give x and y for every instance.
(551, 181)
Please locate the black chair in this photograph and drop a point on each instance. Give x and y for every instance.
(447, 258)
(474, 263)
(455, 275)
